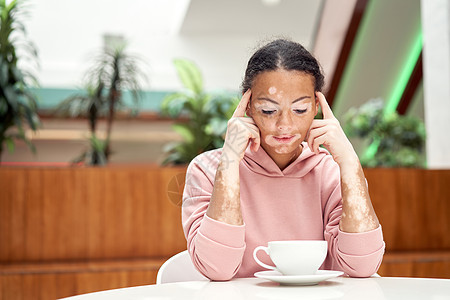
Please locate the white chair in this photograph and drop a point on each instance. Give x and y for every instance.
(178, 268)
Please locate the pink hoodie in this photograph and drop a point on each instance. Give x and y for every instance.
(302, 202)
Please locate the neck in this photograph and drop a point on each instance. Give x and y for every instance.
(284, 160)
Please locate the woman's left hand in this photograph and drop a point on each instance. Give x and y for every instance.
(328, 132)
(357, 210)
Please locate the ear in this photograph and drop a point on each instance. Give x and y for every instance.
(316, 105)
(248, 110)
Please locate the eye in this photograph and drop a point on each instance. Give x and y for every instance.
(267, 111)
(300, 111)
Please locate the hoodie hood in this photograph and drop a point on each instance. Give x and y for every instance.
(261, 163)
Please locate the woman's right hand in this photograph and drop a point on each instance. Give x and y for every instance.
(241, 131)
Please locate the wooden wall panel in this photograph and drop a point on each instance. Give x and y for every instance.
(416, 264)
(50, 285)
(114, 212)
(49, 214)
(413, 206)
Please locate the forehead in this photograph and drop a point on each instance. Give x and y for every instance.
(283, 80)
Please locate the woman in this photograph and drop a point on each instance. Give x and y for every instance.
(271, 181)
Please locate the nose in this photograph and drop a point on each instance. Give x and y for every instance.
(284, 122)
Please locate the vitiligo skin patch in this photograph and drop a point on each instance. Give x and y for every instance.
(272, 90)
(225, 205)
(358, 214)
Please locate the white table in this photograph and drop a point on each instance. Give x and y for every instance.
(254, 288)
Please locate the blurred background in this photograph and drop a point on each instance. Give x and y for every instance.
(141, 87)
(368, 50)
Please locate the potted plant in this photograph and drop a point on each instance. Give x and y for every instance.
(398, 140)
(18, 107)
(202, 117)
(113, 72)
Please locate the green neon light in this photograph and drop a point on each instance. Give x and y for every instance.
(399, 89)
(371, 150)
(402, 82)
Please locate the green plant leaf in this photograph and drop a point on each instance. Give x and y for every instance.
(217, 126)
(401, 139)
(184, 131)
(169, 147)
(97, 144)
(80, 158)
(11, 97)
(3, 72)
(218, 142)
(31, 118)
(234, 102)
(173, 104)
(18, 76)
(10, 144)
(11, 5)
(173, 158)
(207, 115)
(189, 75)
(3, 106)
(16, 105)
(95, 155)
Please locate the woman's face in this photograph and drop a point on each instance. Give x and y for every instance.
(283, 106)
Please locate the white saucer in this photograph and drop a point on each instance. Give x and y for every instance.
(320, 275)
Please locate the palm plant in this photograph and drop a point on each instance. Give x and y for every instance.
(17, 105)
(206, 115)
(399, 140)
(113, 72)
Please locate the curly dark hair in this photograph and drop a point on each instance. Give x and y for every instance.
(282, 54)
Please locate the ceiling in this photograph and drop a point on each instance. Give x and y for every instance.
(295, 18)
(214, 33)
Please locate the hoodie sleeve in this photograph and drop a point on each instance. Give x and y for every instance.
(216, 248)
(357, 254)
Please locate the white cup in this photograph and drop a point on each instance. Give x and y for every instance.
(294, 257)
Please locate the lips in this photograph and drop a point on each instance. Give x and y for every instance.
(284, 138)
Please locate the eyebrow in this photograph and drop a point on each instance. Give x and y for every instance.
(275, 102)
